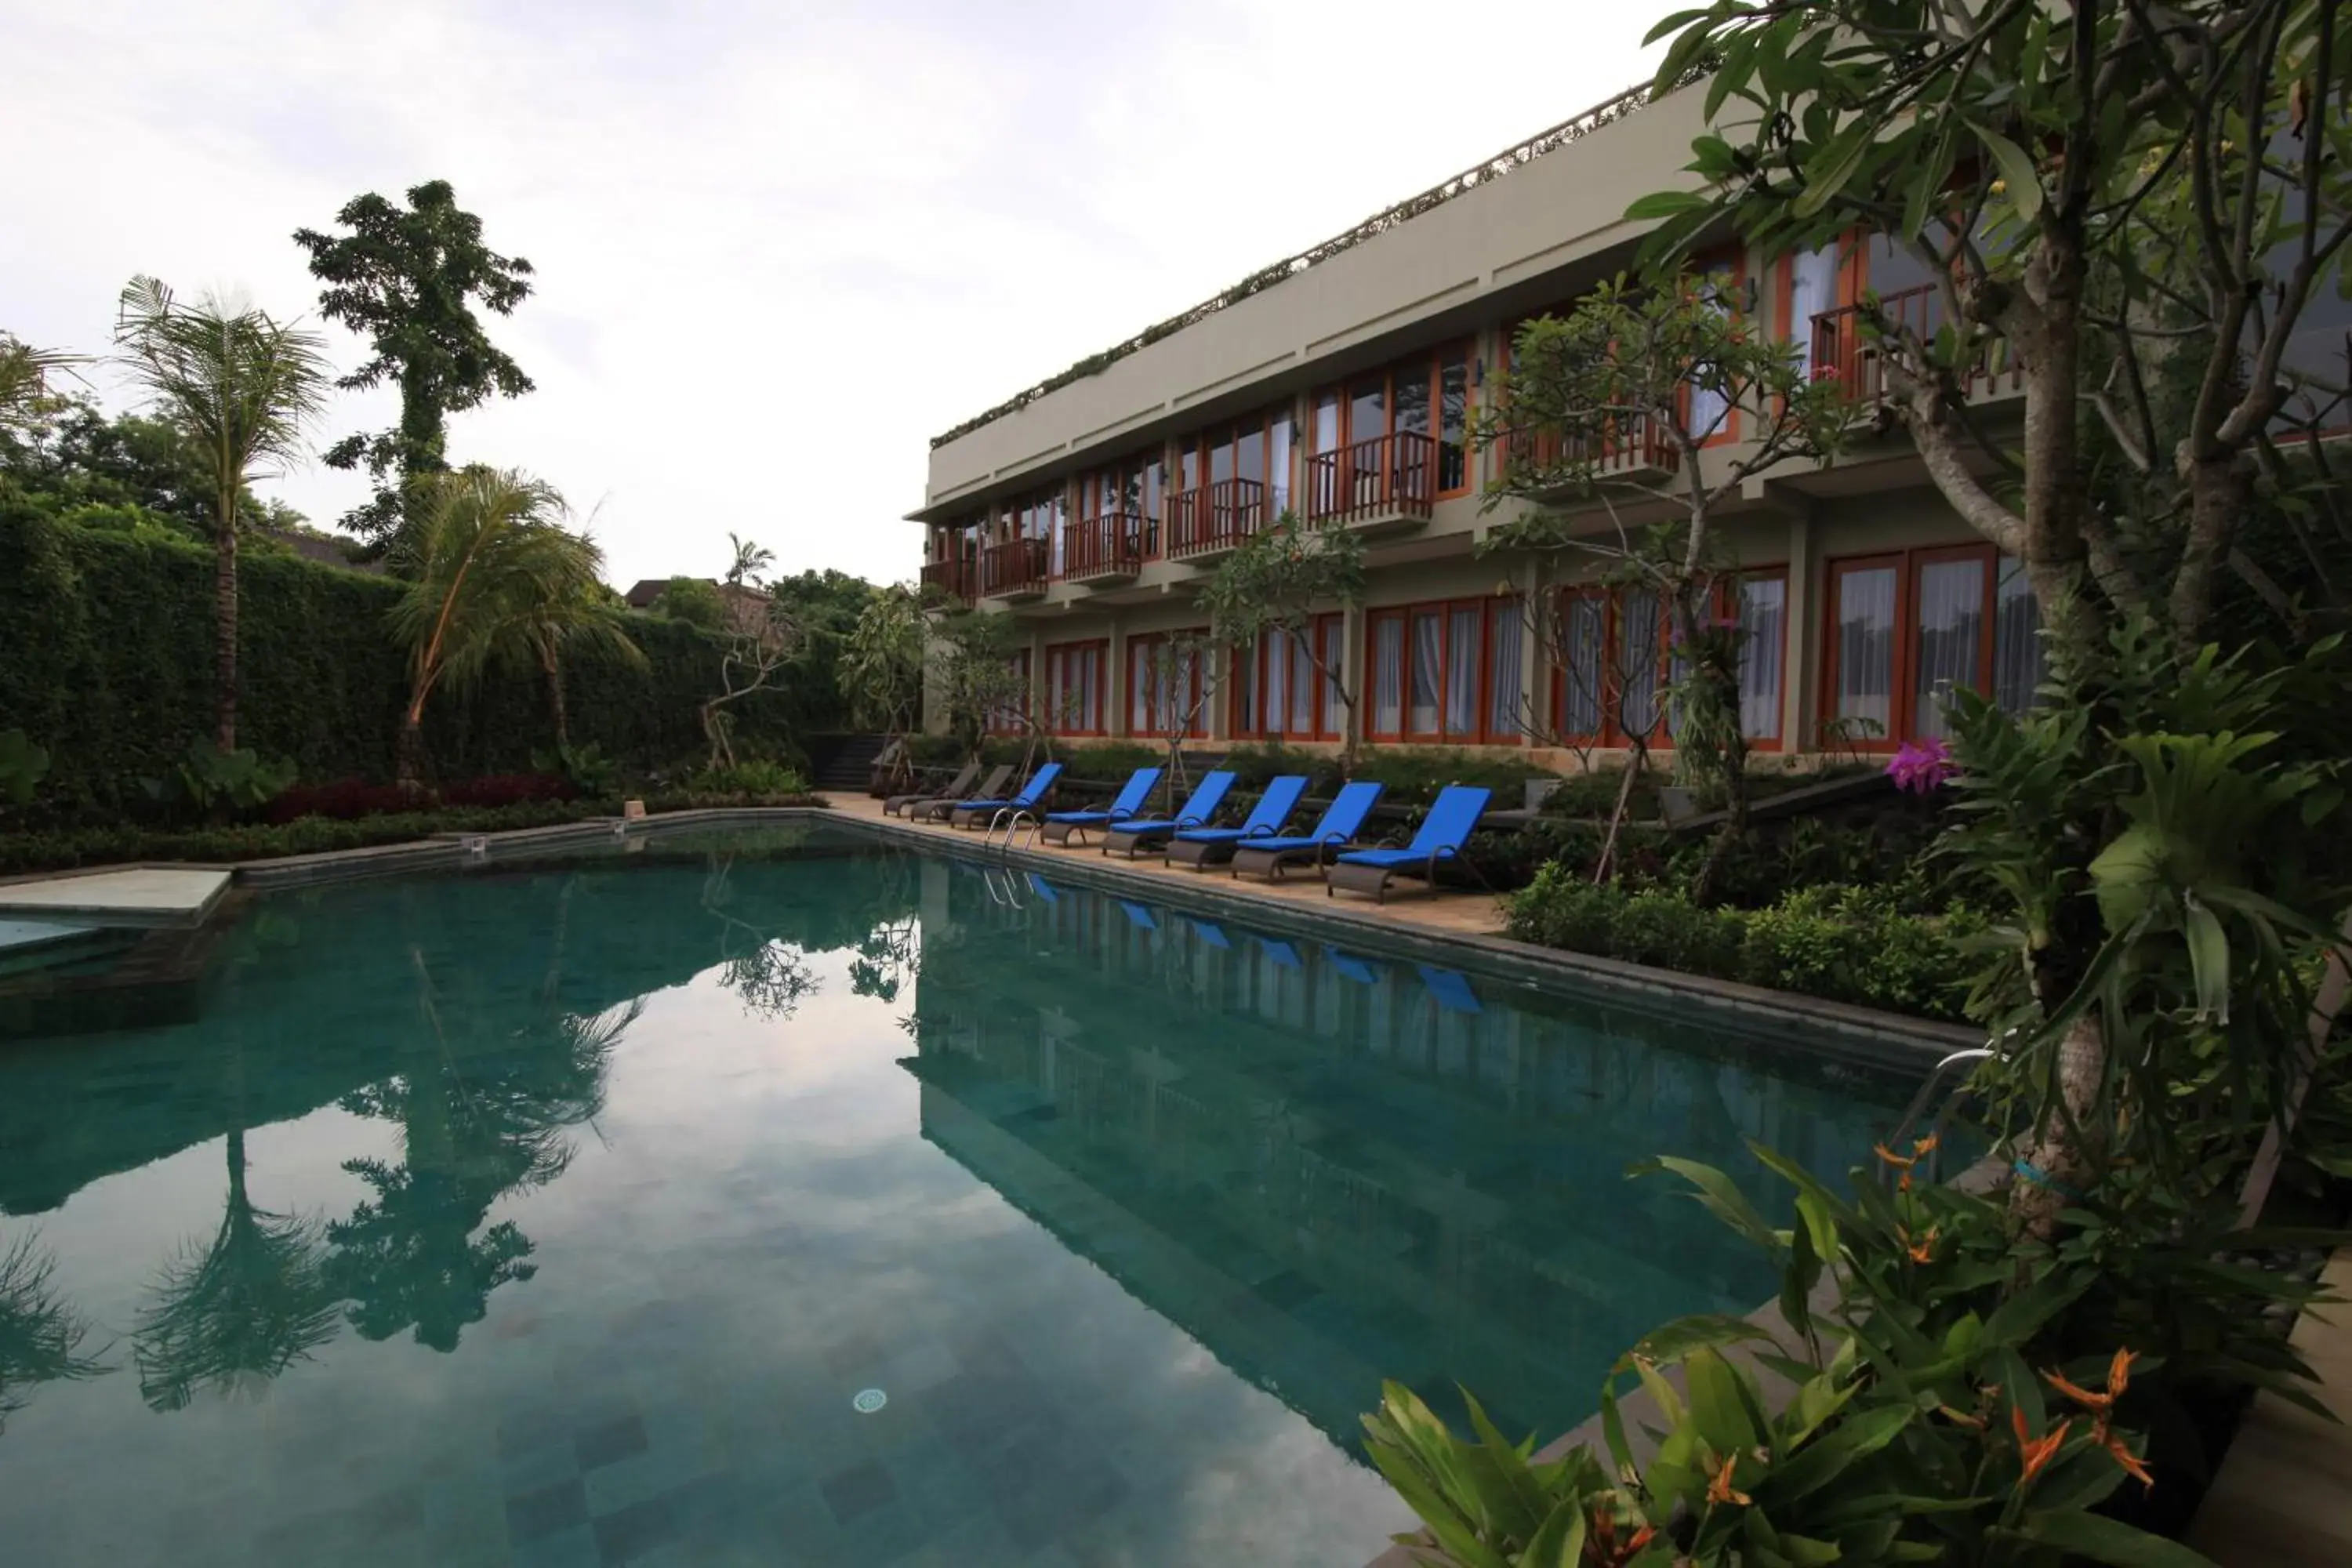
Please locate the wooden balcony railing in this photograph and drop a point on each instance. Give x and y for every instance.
(1215, 518)
(1385, 478)
(956, 579)
(1843, 349)
(1014, 569)
(1111, 545)
(1642, 445)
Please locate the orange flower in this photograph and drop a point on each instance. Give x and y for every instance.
(1925, 1251)
(1891, 1158)
(2039, 1451)
(2119, 1379)
(1720, 1489)
(2133, 1465)
(1925, 1145)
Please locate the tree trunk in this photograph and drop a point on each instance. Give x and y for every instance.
(2057, 1163)
(408, 756)
(224, 632)
(553, 662)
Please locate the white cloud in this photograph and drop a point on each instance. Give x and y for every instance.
(778, 248)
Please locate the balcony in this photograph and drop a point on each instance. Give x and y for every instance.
(1643, 453)
(1214, 519)
(953, 579)
(1014, 569)
(1841, 347)
(1104, 550)
(1385, 484)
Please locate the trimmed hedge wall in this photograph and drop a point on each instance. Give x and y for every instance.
(105, 660)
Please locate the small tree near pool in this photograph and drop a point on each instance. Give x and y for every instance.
(1616, 402)
(882, 664)
(1278, 582)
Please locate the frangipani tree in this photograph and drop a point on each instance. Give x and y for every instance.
(1620, 402)
(493, 574)
(882, 664)
(1277, 583)
(246, 390)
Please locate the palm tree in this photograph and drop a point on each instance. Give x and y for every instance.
(246, 390)
(233, 1314)
(40, 1335)
(24, 372)
(489, 564)
(588, 618)
(751, 559)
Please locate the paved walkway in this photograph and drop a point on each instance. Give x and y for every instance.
(2283, 1499)
(124, 896)
(1448, 913)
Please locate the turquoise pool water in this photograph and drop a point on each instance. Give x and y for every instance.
(570, 1212)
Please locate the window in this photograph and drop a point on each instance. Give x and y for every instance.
(1279, 694)
(1163, 685)
(1447, 672)
(1423, 395)
(1907, 629)
(1128, 491)
(1712, 417)
(1246, 463)
(1616, 661)
(1005, 720)
(1074, 686)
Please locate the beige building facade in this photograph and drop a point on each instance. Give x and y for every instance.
(1343, 388)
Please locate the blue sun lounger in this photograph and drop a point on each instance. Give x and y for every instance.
(1215, 846)
(1342, 820)
(1443, 833)
(1032, 793)
(1061, 825)
(1135, 837)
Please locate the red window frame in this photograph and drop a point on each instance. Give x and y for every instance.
(1612, 733)
(1251, 677)
(1104, 490)
(1427, 368)
(1903, 705)
(1483, 731)
(1138, 649)
(1733, 258)
(1066, 666)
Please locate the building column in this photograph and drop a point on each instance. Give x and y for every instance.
(1802, 662)
(1357, 675)
(1115, 707)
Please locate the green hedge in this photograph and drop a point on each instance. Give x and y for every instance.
(1843, 944)
(107, 661)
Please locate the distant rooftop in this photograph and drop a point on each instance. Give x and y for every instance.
(1264, 278)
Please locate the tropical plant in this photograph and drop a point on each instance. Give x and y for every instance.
(750, 563)
(694, 600)
(882, 665)
(978, 679)
(587, 615)
(1916, 1425)
(487, 565)
(24, 372)
(23, 765)
(758, 635)
(213, 781)
(408, 279)
(245, 389)
(1276, 584)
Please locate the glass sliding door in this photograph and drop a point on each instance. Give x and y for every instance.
(2018, 667)
(1637, 663)
(1428, 664)
(1503, 672)
(1583, 648)
(1763, 655)
(1464, 636)
(1862, 611)
(1387, 636)
(1949, 632)
(1453, 419)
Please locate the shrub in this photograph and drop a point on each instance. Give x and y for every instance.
(60, 850)
(509, 789)
(1841, 944)
(758, 780)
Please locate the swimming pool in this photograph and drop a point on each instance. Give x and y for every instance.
(787, 1196)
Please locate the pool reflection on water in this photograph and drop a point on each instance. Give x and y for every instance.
(562, 1214)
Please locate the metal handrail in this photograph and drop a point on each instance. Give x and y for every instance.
(1926, 1092)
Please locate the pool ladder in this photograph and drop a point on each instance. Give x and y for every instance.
(1012, 819)
(1003, 891)
(1936, 1081)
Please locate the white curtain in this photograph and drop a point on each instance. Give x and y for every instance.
(1813, 290)
(1463, 634)
(1951, 637)
(1138, 702)
(1581, 678)
(1273, 647)
(1637, 660)
(1763, 649)
(1503, 663)
(1302, 683)
(1246, 672)
(1388, 675)
(2018, 667)
(1866, 664)
(1428, 659)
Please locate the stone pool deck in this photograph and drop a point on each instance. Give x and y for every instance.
(119, 896)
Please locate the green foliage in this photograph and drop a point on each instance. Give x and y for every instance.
(972, 676)
(591, 771)
(23, 765)
(407, 279)
(1843, 944)
(694, 600)
(1932, 1413)
(1413, 774)
(753, 780)
(881, 665)
(207, 779)
(1282, 577)
(108, 657)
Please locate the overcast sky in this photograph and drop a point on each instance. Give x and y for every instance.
(779, 245)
